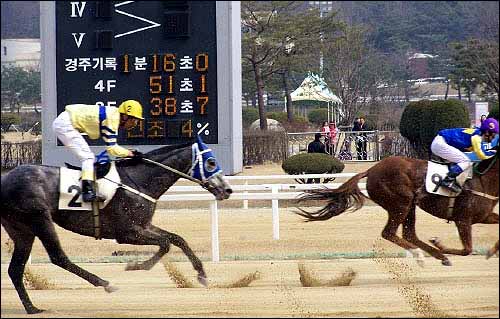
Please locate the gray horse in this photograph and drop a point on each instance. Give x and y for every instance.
(29, 208)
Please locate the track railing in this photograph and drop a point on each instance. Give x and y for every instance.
(246, 192)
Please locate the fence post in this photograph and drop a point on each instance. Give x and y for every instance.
(215, 230)
(245, 201)
(276, 216)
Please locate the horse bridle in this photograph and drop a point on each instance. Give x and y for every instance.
(203, 184)
(476, 170)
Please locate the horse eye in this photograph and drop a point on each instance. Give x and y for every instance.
(210, 164)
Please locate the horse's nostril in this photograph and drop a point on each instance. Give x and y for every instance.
(229, 191)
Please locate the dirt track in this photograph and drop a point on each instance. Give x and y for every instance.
(394, 287)
(389, 287)
(469, 288)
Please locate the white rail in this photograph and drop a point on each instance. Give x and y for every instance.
(241, 192)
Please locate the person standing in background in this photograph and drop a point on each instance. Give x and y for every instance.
(332, 139)
(361, 139)
(325, 131)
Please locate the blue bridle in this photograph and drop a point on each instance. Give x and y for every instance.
(204, 165)
(203, 168)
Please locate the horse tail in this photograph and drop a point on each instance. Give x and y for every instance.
(347, 196)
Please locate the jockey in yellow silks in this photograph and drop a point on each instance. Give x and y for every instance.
(97, 121)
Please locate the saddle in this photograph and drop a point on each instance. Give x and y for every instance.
(70, 197)
(100, 168)
(436, 172)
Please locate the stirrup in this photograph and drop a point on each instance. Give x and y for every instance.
(92, 197)
(451, 184)
(89, 193)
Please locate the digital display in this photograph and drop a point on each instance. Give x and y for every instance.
(160, 53)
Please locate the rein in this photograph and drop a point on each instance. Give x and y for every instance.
(149, 198)
(173, 170)
(476, 170)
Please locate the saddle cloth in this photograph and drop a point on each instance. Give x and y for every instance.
(70, 188)
(436, 173)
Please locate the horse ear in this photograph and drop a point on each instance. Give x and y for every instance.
(198, 139)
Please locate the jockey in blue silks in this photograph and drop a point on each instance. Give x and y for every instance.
(451, 144)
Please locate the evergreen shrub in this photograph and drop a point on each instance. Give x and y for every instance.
(312, 163)
(422, 120)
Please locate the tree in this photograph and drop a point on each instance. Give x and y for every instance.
(477, 62)
(304, 34)
(20, 86)
(274, 32)
(355, 70)
(259, 49)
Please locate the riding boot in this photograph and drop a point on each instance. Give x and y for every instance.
(450, 181)
(88, 192)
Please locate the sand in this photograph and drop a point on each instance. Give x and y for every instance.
(384, 287)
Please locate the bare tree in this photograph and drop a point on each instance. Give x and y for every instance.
(277, 36)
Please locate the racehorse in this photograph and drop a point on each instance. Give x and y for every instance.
(29, 207)
(398, 185)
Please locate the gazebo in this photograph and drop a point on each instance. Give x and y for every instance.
(314, 88)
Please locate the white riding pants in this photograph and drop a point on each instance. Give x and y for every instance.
(440, 148)
(72, 139)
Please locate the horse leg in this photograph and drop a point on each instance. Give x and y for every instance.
(23, 242)
(156, 236)
(146, 236)
(492, 218)
(183, 245)
(391, 228)
(493, 250)
(410, 235)
(465, 232)
(44, 229)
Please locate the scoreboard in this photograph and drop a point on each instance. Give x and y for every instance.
(149, 51)
(180, 59)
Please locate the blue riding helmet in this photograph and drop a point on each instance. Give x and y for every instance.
(205, 165)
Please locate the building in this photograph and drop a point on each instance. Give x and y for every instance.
(419, 64)
(21, 52)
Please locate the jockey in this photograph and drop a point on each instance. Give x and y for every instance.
(97, 121)
(451, 143)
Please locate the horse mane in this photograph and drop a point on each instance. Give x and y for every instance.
(165, 150)
(484, 164)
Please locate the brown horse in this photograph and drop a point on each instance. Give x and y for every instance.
(398, 185)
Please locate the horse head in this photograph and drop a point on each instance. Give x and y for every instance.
(194, 161)
(205, 169)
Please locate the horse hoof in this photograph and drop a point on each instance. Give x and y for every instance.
(490, 254)
(446, 262)
(202, 280)
(435, 240)
(34, 310)
(110, 289)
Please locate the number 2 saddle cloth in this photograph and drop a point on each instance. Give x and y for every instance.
(70, 188)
